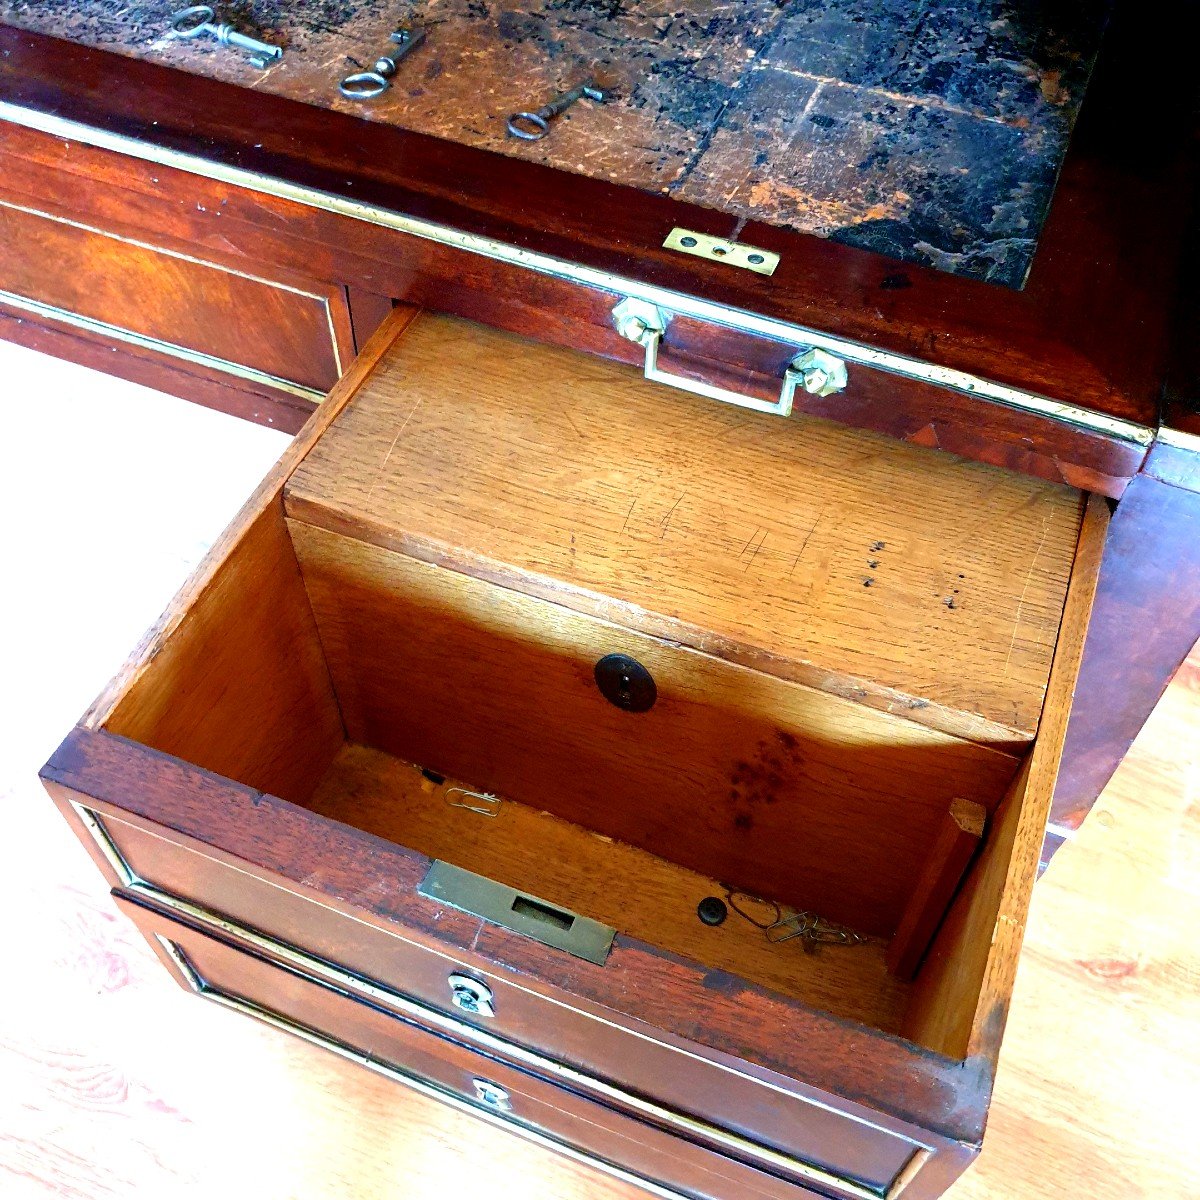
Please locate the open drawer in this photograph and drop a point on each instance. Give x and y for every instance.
(516, 659)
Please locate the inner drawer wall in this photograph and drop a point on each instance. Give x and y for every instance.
(771, 786)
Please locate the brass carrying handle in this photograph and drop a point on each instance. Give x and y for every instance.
(816, 371)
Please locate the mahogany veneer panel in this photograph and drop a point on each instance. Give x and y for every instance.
(292, 331)
(911, 580)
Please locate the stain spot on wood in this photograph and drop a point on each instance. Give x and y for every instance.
(1110, 968)
(931, 133)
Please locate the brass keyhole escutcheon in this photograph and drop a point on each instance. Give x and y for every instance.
(623, 681)
(471, 995)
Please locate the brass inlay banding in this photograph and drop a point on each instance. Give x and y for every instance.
(676, 303)
(330, 975)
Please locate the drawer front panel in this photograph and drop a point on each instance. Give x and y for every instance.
(187, 307)
(390, 254)
(398, 1045)
(850, 1156)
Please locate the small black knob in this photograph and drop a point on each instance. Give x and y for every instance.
(712, 911)
(623, 681)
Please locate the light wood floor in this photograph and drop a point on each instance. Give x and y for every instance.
(114, 1083)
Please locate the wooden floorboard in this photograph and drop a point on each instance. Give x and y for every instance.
(113, 1082)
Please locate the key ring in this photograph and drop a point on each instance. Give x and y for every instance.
(541, 126)
(519, 122)
(181, 22)
(364, 85)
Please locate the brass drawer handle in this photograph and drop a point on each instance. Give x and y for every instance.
(816, 371)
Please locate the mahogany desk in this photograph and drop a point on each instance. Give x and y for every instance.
(318, 222)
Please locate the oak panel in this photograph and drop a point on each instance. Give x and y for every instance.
(914, 581)
(767, 785)
(638, 894)
(233, 666)
(962, 994)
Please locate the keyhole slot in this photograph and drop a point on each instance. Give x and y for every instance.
(623, 681)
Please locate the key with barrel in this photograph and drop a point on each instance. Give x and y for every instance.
(533, 126)
(201, 19)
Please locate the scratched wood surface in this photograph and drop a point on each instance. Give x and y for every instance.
(929, 131)
(640, 895)
(918, 583)
(113, 1082)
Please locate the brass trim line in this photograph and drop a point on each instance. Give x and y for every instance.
(1179, 439)
(164, 250)
(143, 342)
(175, 953)
(433, 1091)
(334, 977)
(1062, 831)
(129, 877)
(677, 303)
(340, 979)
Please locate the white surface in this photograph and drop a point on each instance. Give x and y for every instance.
(110, 494)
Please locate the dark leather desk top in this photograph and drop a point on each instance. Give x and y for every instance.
(929, 132)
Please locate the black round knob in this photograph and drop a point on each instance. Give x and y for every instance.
(623, 681)
(712, 911)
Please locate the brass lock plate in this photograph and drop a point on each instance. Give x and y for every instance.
(518, 911)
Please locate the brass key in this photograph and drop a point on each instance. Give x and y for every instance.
(366, 85)
(533, 126)
(199, 18)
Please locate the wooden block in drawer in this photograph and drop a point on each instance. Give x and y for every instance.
(903, 578)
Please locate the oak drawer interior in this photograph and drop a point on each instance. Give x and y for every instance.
(849, 637)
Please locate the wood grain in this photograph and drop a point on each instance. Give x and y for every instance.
(291, 328)
(771, 786)
(118, 1083)
(1102, 268)
(640, 895)
(1147, 618)
(930, 585)
(242, 675)
(377, 1040)
(958, 839)
(124, 690)
(961, 997)
(232, 394)
(712, 1047)
(99, 186)
(688, 105)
